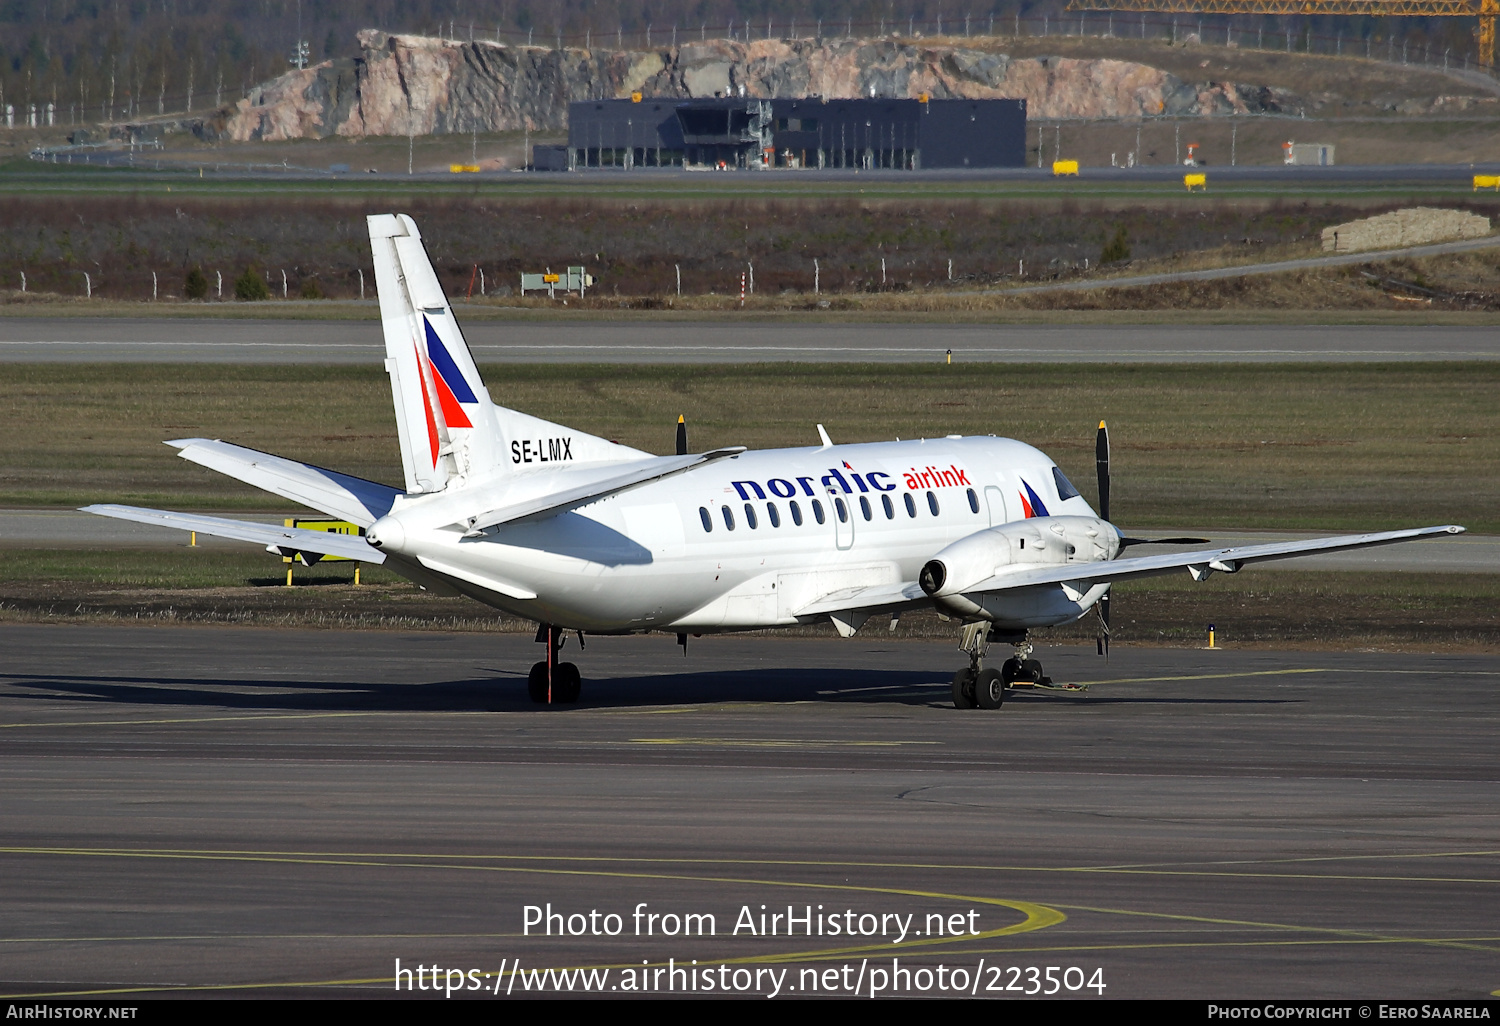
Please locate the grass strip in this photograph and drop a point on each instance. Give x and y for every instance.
(1290, 446)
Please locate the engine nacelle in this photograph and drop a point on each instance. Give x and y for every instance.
(1038, 541)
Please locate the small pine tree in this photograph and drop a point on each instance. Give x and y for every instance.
(1117, 248)
(249, 287)
(195, 285)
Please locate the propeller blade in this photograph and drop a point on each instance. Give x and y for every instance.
(1101, 464)
(1127, 542)
(681, 437)
(1103, 639)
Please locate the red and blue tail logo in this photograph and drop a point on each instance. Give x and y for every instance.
(1034, 507)
(452, 389)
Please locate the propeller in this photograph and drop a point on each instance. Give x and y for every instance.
(1127, 542)
(682, 451)
(1101, 464)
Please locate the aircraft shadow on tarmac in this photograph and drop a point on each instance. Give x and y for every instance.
(507, 692)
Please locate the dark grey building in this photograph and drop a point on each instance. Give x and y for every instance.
(809, 132)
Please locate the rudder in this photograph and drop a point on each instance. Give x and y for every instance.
(444, 417)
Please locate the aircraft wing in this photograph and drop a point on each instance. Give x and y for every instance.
(1199, 564)
(288, 541)
(875, 597)
(611, 479)
(339, 495)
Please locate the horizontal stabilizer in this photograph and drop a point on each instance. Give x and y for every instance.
(339, 495)
(606, 481)
(286, 540)
(1200, 563)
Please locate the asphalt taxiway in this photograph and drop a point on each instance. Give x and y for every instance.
(184, 340)
(250, 811)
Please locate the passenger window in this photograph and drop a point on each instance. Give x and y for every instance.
(864, 506)
(796, 512)
(773, 514)
(818, 511)
(750, 520)
(843, 510)
(728, 517)
(911, 505)
(890, 509)
(973, 501)
(932, 503)
(708, 521)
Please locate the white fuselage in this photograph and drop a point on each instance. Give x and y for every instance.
(747, 541)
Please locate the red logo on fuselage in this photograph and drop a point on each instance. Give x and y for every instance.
(932, 477)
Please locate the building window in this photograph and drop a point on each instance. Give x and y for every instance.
(708, 521)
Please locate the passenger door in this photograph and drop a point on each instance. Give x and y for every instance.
(842, 514)
(994, 498)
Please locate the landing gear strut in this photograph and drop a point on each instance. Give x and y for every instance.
(549, 680)
(985, 687)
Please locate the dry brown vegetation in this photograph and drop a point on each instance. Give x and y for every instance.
(635, 246)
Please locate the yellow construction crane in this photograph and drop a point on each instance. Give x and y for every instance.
(1484, 10)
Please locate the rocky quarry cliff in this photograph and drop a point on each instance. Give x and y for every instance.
(413, 84)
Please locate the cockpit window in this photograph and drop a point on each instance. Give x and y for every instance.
(1065, 489)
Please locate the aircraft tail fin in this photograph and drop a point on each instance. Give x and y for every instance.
(451, 432)
(443, 414)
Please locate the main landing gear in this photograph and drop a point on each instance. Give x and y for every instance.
(984, 686)
(549, 680)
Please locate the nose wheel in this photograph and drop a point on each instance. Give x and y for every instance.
(1020, 672)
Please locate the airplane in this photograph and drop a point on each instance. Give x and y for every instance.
(582, 534)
